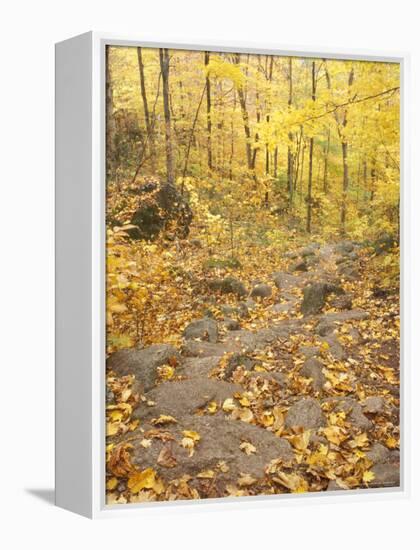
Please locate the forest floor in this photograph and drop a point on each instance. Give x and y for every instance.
(285, 382)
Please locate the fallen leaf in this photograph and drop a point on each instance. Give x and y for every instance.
(248, 448)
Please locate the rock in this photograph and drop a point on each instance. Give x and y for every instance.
(278, 377)
(309, 351)
(323, 328)
(354, 334)
(344, 247)
(160, 205)
(228, 285)
(334, 347)
(384, 243)
(308, 251)
(244, 340)
(311, 261)
(342, 302)
(373, 405)
(184, 398)
(306, 413)
(314, 297)
(336, 318)
(299, 266)
(196, 243)
(203, 329)
(354, 413)
(236, 360)
(285, 281)
(312, 368)
(292, 255)
(386, 475)
(378, 454)
(348, 271)
(231, 324)
(261, 291)
(334, 486)
(282, 308)
(198, 367)
(220, 440)
(143, 363)
(194, 348)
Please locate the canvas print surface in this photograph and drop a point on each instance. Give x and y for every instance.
(252, 216)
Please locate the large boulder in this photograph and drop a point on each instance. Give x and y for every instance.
(261, 290)
(286, 281)
(386, 475)
(374, 404)
(314, 297)
(199, 367)
(300, 265)
(348, 270)
(228, 285)
(335, 319)
(343, 302)
(220, 443)
(202, 329)
(306, 413)
(344, 247)
(184, 398)
(143, 363)
(312, 368)
(354, 412)
(161, 206)
(378, 453)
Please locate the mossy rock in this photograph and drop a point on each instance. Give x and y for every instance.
(222, 263)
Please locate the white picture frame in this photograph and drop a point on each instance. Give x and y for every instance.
(80, 277)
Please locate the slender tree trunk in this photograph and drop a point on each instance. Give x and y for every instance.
(275, 161)
(289, 149)
(208, 110)
(341, 126)
(245, 118)
(326, 154)
(346, 181)
(164, 67)
(311, 153)
(147, 118)
(110, 121)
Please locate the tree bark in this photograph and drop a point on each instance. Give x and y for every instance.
(208, 97)
(326, 154)
(341, 126)
(245, 118)
(164, 67)
(289, 149)
(147, 118)
(110, 121)
(311, 153)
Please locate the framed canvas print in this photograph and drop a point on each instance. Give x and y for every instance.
(228, 228)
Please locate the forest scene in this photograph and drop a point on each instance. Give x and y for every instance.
(253, 228)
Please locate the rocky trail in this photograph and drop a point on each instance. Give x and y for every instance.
(291, 385)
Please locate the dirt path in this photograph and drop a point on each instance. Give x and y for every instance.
(307, 400)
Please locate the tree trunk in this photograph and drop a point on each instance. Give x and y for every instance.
(208, 97)
(147, 118)
(289, 149)
(326, 154)
(245, 118)
(164, 67)
(311, 153)
(110, 121)
(344, 148)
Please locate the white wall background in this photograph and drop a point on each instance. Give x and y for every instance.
(28, 32)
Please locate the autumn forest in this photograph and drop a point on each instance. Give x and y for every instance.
(252, 274)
